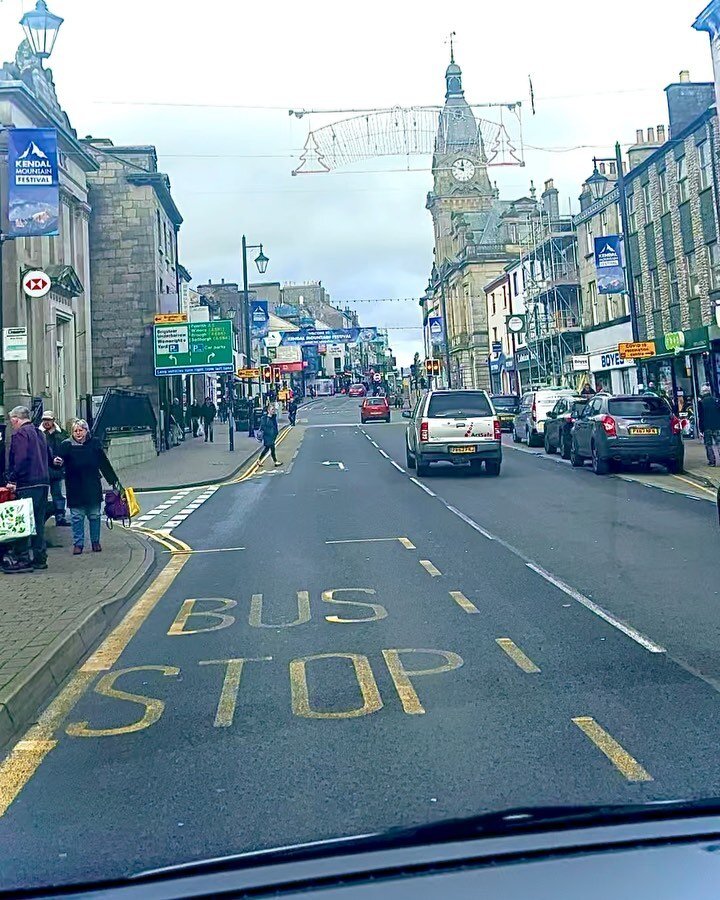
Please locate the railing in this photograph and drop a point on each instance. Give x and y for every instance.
(546, 324)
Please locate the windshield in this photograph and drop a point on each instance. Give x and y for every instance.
(638, 406)
(304, 531)
(505, 403)
(458, 404)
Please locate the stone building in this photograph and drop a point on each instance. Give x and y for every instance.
(58, 370)
(475, 236)
(134, 266)
(672, 198)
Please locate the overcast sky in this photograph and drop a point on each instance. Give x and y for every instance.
(159, 72)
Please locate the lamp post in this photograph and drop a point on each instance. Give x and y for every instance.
(597, 183)
(41, 30)
(261, 261)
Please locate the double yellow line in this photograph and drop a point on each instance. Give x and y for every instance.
(255, 465)
(169, 541)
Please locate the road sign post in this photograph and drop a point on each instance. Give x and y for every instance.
(194, 348)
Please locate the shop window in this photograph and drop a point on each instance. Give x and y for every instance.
(693, 281)
(705, 165)
(655, 288)
(713, 252)
(681, 175)
(672, 276)
(664, 198)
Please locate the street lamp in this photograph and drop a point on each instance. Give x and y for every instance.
(261, 261)
(597, 183)
(41, 29)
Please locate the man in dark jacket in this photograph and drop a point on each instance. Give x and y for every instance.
(208, 412)
(194, 417)
(709, 422)
(27, 474)
(54, 435)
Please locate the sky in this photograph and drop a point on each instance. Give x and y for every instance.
(210, 85)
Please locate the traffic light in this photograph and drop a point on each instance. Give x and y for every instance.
(429, 366)
(277, 374)
(267, 374)
(435, 366)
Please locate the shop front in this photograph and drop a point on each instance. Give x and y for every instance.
(683, 362)
(609, 371)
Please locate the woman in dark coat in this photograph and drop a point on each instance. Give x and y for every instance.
(269, 428)
(85, 461)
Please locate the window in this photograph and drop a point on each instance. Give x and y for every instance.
(603, 223)
(647, 202)
(705, 165)
(590, 242)
(632, 213)
(493, 302)
(664, 198)
(458, 404)
(159, 228)
(682, 179)
(592, 301)
(495, 337)
(639, 293)
(713, 252)
(673, 282)
(655, 288)
(515, 283)
(637, 407)
(506, 291)
(693, 282)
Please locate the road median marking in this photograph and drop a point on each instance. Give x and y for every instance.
(423, 487)
(463, 602)
(618, 756)
(430, 568)
(516, 655)
(408, 544)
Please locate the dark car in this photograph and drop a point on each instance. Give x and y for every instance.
(627, 429)
(506, 407)
(559, 424)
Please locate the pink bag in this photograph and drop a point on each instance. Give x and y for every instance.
(116, 508)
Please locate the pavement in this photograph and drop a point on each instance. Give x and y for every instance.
(696, 464)
(336, 647)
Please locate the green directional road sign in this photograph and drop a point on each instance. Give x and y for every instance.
(194, 347)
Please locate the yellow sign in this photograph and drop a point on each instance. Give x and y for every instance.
(171, 318)
(637, 350)
(248, 373)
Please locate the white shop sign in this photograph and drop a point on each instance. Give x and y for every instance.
(610, 359)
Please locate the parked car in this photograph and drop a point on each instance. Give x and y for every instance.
(374, 409)
(506, 406)
(455, 427)
(559, 424)
(627, 429)
(529, 423)
(357, 390)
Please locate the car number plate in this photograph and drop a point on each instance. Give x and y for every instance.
(468, 449)
(642, 429)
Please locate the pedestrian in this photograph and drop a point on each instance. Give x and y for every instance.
(709, 422)
(85, 461)
(292, 410)
(587, 390)
(269, 428)
(208, 413)
(194, 417)
(54, 435)
(27, 475)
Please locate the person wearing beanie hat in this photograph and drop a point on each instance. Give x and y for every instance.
(54, 435)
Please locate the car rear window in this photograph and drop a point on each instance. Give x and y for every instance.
(458, 404)
(636, 407)
(376, 401)
(577, 407)
(505, 402)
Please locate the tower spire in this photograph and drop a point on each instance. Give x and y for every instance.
(452, 47)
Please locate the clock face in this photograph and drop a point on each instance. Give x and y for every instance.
(463, 169)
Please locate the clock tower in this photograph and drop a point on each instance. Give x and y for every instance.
(460, 178)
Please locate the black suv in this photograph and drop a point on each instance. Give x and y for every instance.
(627, 429)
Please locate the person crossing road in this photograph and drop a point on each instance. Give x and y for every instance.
(269, 428)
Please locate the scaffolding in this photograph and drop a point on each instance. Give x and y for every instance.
(548, 256)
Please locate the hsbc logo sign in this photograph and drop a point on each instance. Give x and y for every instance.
(36, 283)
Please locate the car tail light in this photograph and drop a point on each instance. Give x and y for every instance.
(534, 410)
(609, 426)
(424, 432)
(497, 430)
(675, 425)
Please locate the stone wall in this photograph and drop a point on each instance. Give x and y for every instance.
(130, 450)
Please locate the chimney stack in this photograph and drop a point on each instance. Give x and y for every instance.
(651, 135)
(550, 201)
(684, 77)
(639, 136)
(661, 134)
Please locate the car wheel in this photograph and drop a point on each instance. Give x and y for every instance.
(548, 446)
(674, 466)
(492, 467)
(599, 465)
(566, 449)
(533, 440)
(409, 458)
(515, 437)
(576, 461)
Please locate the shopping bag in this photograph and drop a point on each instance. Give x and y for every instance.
(201, 430)
(116, 508)
(6, 494)
(132, 504)
(17, 520)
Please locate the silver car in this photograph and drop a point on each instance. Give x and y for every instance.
(456, 427)
(529, 423)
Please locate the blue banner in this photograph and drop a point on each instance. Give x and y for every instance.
(310, 336)
(608, 265)
(33, 190)
(259, 319)
(437, 331)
